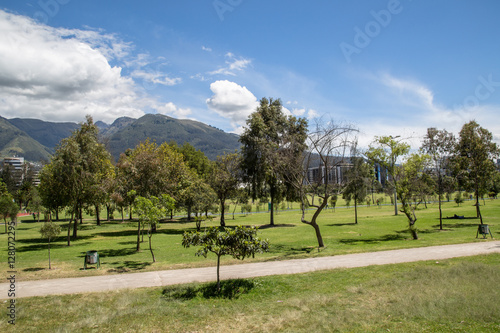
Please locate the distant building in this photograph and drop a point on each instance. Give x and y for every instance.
(16, 167)
(21, 170)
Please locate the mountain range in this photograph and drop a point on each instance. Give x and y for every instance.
(37, 140)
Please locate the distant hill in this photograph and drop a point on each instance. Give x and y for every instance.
(36, 139)
(211, 141)
(47, 133)
(15, 142)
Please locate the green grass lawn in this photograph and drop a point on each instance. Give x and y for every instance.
(455, 295)
(378, 229)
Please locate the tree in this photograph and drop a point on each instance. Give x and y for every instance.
(149, 212)
(196, 196)
(269, 139)
(385, 151)
(76, 171)
(359, 178)
(8, 208)
(151, 170)
(319, 175)
(225, 176)
(240, 243)
(409, 178)
(35, 204)
(474, 156)
(50, 230)
(439, 144)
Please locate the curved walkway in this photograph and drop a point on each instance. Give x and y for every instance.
(171, 277)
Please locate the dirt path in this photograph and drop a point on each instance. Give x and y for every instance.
(171, 277)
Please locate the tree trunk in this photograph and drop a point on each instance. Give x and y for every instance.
(150, 234)
(271, 222)
(355, 210)
(222, 212)
(478, 210)
(138, 247)
(57, 215)
(318, 235)
(69, 228)
(98, 218)
(49, 254)
(218, 275)
(440, 214)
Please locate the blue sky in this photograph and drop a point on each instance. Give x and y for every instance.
(389, 67)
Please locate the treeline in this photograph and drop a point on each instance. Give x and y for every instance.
(281, 158)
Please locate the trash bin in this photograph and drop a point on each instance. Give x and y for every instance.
(92, 258)
(484, 230)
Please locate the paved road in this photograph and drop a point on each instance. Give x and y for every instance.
(171, 277)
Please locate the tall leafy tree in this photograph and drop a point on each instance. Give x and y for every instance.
(270, 138)
(474, 156)
(385, 151)
(78, 168)
(439, 145)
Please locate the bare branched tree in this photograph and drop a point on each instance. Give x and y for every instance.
(323, 167)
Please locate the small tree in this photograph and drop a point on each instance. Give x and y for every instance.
(240, 243)
(8, 208)
(50, 230)
(410, 177)
(150, 211)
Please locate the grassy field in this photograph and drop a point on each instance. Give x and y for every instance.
(456, 295)
(378, 229)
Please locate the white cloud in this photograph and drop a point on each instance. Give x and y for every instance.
(233, 65)
(232, 101)
(407, 108)
(170, 109)
(62, 75)
(204, 48)
(155, 77)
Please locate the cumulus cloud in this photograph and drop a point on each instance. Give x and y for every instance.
(232, 101)
(170, 109)
(61, 74)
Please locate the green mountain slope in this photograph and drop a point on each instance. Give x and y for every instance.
(47, 133)
(160, 128)
(15, 142)
(36, 139)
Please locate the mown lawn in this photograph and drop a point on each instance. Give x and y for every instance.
(456, 295)
(378, 229)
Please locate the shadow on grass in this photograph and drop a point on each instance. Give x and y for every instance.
(400, 235)
(44, 246)
(230, 289)
(61, 238)
(286, 251)
(284, 225)
(456, 225)
(114, 252)
(128, 265)
(127, 233)
(33, 269)
(340, 224)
